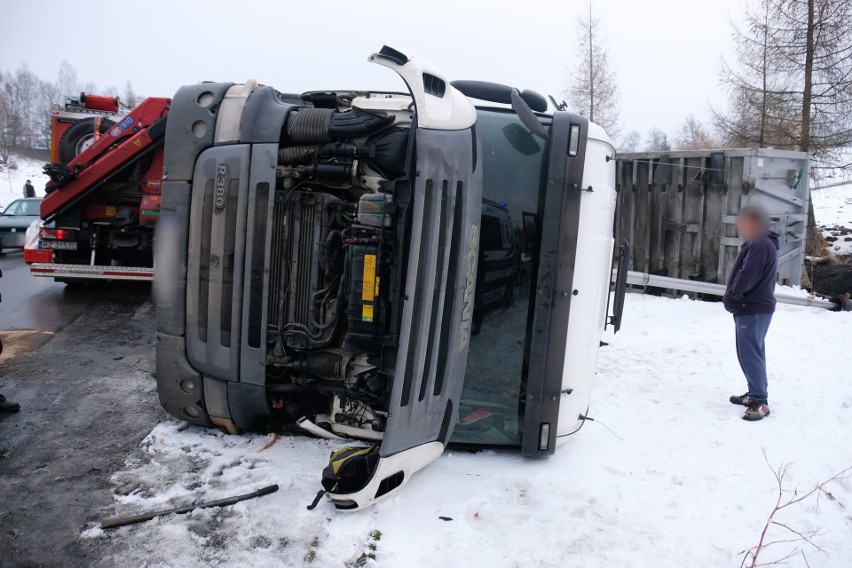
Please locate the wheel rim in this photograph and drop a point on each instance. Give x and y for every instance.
(84, 143)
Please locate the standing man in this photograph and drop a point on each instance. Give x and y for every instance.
(750, 296)
(29, 190)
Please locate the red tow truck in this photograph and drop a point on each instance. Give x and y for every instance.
(103, 197)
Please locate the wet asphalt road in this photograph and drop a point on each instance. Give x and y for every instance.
(36, 303)
(80, 360)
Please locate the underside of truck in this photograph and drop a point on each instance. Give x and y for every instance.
(334, 262)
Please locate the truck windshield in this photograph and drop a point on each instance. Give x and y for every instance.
(513, 182)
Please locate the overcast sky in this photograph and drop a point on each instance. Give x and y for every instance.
(666, 52)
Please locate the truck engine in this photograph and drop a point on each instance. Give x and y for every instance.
(332, 313)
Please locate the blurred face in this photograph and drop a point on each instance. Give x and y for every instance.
(749, 228)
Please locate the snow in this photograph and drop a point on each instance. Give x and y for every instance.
(687, 485)
(14, 176)
(833, 212)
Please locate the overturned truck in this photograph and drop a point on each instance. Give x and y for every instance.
(406, 269)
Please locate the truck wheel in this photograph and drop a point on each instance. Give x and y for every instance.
(80, 136)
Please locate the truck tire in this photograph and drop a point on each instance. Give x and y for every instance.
(79, 137)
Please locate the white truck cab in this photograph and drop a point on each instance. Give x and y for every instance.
(320, 268)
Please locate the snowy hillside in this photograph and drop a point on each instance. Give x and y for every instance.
(14, 176)
(686, 486)
(833, 211)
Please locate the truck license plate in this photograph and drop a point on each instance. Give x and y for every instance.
(58, 245)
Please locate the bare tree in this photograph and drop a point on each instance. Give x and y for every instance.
(694, 135)
(47, 94)
(630, 142)
(66, 80)
(762, 97)
(19, 92)
(129, 95)
(657, 141)
(791, 86)
(814, 38)
(5, 123)
(592, 88)
(26, 87)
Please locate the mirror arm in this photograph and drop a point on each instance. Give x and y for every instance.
(527, 116)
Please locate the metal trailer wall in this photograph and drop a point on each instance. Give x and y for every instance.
(678, 209)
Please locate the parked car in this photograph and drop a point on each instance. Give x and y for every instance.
(15, 221)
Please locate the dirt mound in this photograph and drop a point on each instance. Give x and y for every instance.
(832, 279)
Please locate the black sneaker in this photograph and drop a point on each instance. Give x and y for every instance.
(8, 406)
(743, 400)
(756, 411)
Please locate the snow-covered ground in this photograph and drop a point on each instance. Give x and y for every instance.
(833, 212)
(686, 486)
(14, 176)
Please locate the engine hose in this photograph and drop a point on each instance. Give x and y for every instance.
(294, 155)
(310, 125)
(300, 329)
(309, 426)
(325, 247)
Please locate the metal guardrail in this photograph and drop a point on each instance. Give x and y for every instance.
(835, 304)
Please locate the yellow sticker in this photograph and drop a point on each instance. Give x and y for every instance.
(110, 211)
(367, 312)
(369, 280)
(376, 292)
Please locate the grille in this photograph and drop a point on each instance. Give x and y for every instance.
(436, 288)
(216, 261)
(204, 260)
(256, 266)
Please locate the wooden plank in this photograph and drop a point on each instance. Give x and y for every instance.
(658, 209)
(673, 221)
(714, 203)
(737, 177)
(693, 213)
(643, 226)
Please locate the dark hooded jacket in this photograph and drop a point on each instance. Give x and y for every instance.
(751, 284)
